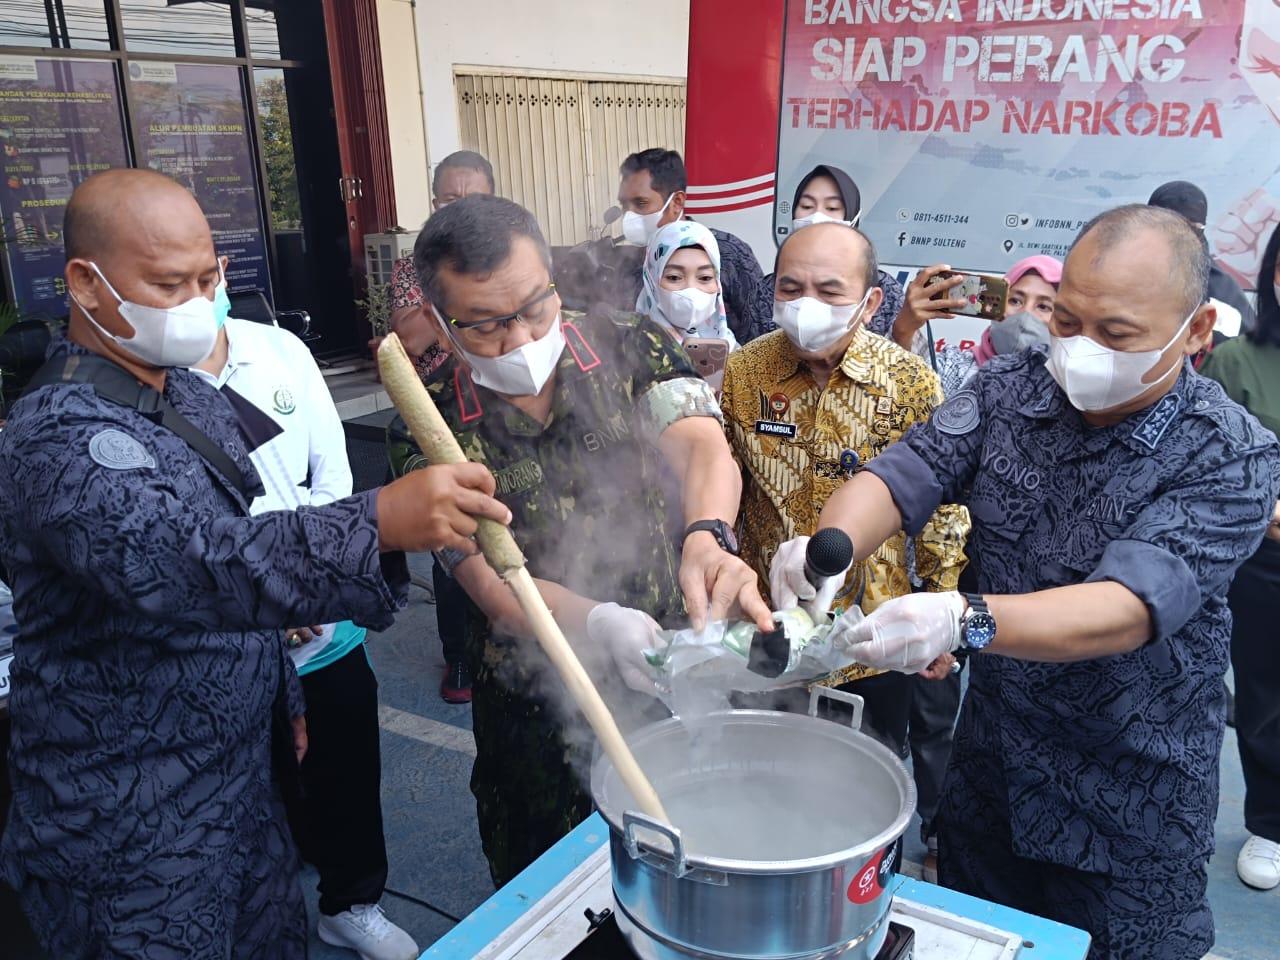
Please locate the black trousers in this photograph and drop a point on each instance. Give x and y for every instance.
(334, 801)
(451, 614)
(1255, 603)
(934, 706)
(887, 707)
(1161, 915)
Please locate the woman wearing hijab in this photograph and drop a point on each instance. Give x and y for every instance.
(1033, 287)
(826, 194)
(680, 290)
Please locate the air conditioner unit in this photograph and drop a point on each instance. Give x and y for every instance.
(382, 250)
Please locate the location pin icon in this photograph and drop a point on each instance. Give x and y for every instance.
(1008, 246)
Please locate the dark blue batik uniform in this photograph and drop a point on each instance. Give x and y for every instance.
(148, 662)
(1087, 791)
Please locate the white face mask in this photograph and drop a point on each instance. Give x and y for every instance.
(640, 229)
(180, 336)
(819, 217)
(1097, 378)
(813, 325)
(691, 312)
(522, 372)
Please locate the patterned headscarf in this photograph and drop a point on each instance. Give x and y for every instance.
(675, 236)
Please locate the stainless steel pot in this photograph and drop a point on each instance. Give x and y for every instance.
(790, 827)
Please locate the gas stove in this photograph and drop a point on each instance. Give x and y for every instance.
(575, 921)
(604, 941)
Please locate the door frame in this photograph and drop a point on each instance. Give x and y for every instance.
(360, 107)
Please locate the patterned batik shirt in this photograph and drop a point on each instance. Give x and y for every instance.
(406, 292)
(149, 650)
(584, 489)
(798, 442)
(1112, 763)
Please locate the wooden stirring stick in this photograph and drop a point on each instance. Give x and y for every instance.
(439, 445)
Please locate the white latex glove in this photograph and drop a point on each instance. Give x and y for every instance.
(789, 587)
(626, 634)
(906, 634)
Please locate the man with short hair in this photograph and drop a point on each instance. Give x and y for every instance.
(825, 194)
(1114, 492)
(652, 194)
(803, 406)
(458, 175)
(1236, 313)
(149, 663)
(576, 421)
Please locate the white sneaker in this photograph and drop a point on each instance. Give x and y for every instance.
(366, 930)
(1259, 863)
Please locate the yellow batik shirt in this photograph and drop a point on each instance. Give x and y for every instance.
(797, 442)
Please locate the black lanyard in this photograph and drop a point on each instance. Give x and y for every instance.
(117, 385)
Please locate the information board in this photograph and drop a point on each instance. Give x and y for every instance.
(982, 131)
(60, 122)
(192, 123)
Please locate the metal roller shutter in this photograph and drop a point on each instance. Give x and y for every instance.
(555, 142)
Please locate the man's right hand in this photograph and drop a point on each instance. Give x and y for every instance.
(626, 634)
(919, 307)
(436, 508)
(789, 585)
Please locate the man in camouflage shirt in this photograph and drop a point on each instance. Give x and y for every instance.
(575, 420)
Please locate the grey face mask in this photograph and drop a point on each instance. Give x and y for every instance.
(1018, 332)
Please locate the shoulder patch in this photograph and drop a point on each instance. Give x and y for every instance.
(1155, 423)
(959, 415)
(116, 450)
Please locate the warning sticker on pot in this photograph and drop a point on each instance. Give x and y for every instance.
(869, 882)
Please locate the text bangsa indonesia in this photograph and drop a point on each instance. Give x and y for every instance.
(859, 12)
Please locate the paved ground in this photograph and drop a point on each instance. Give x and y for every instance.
(439, 875)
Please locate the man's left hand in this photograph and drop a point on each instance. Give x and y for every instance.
(710, 575)
(297, 636)
(906, 634)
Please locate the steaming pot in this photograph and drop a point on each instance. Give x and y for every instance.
(767, 785)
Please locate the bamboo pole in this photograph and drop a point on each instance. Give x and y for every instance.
(439, 445)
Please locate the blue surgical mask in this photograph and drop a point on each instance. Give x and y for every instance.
(221, 303)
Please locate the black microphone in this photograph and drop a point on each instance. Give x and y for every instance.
(829, 554)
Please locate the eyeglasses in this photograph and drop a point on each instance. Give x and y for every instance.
(530, 314)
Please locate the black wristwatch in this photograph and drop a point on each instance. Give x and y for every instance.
(723, 533)
(977, 625)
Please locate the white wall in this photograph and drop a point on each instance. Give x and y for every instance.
(402, 83)
(624, 37)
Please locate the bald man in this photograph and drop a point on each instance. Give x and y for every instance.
(149, 663)
(1114, 492)
(803, 406)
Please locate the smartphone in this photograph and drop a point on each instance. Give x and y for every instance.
(984, 296)
(709, 356)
